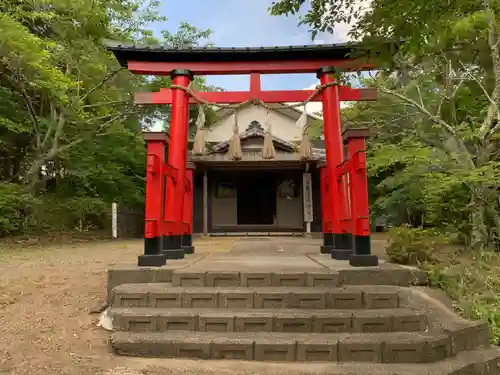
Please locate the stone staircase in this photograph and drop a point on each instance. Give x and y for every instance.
(313, 316)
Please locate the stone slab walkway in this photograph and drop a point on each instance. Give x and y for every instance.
(264, 254)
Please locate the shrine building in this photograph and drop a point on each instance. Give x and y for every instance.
(257, 194)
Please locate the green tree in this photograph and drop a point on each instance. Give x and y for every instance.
(69, 131)
(445, 81)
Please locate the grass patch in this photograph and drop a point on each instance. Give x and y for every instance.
(472, 280)
(473, 283)
(51, 238)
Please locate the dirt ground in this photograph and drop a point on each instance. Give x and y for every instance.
(46, 295)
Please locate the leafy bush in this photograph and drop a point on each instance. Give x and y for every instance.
(471, 280)
(22, 213)
(414, 246)
(17, 206)
(473, 284)
(87, 213)
(75, 213)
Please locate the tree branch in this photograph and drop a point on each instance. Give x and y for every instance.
(421, 109)
(33, 116)
(420, 94)
(103, 81)
(493, 42)
(481, 86)
(51, 126)
(437, 120)
(113, 115)
(56, 149)
(110, 121)
(492, 108)
(447, 87)
(104, 103)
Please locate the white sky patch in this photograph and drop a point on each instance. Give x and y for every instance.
(316, 108)
(157, 126)
(339, 35)
(340, 30)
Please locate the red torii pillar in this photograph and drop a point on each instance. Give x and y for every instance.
(155, 170)
(342, 242)
(358, 193)
(187, 216)
(326, 211)
(177, 157)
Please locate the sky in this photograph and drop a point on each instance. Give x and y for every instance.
(246, 23)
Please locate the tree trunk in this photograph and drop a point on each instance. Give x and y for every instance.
(479, 231)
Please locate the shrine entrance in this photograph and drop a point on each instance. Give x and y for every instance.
(255, 200)
(171, 188)
(256, 206)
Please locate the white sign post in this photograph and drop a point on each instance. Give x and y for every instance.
(114, 220)
(307, 200)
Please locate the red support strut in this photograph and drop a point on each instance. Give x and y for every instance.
(342, 242)
(155, 160)
(177, 155)
(187, 216)
(361, 256)
(326, 211)
(343, 186)
(346, 93)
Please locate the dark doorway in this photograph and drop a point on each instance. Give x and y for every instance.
(256, 199)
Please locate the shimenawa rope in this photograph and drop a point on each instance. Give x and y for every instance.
(305, 148)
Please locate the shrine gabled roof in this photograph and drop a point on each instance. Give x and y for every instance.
(284, 108)
(136, 52)
(255, 132)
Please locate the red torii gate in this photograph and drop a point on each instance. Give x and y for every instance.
(165, 216)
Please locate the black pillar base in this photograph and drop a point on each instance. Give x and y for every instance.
(188, 249)
(152, 260)
(356, 260)
(342, 244)
(187, 243)
(341, 254)
(152, 254)
(327, 246)
(362, 254)
(326, 249)
(172, 247)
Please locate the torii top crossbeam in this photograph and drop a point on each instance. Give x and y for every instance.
(252, 61)
(265, 60)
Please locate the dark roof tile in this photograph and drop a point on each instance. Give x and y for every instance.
(124, 52)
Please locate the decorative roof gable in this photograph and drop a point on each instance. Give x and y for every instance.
(256, 130)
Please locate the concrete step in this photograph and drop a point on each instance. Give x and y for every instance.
(267, 320)
(253, 279)
(477, 362)
(384, 275)
(389, 275)
(334, 347)
(167, 296)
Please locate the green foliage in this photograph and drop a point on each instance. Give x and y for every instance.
(315, 128)
(470, 279)
(414, 246)
(473, 284)
(16, 208)
(434, 152)
(70, 135)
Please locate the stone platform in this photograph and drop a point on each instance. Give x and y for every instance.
(280, 300)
